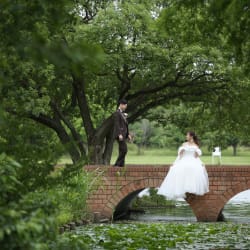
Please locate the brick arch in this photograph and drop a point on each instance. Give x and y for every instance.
(231, 192)
(132, 189)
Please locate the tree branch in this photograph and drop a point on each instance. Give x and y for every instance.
(75, 134)
(150, 91)
(164, 98)
(125, 80)
(45, 120)
(56, 125)
(170, 84)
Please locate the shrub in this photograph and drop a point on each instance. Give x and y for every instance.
(29, 218)
(25, 224)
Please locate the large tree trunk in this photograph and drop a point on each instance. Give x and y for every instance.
(108, 148)
(101, 146)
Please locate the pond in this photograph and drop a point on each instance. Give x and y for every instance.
(181, 212)
(173, 228)
(236, 210)
(233, 212)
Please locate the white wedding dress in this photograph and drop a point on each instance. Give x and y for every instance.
(186, 175)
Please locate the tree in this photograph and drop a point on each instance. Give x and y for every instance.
(226, 17)
(77, 69)
(142, 131)
(36, 62)
(146, 66)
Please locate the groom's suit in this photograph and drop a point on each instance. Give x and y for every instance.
(121, 128)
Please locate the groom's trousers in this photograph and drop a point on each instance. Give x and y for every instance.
(123, 149)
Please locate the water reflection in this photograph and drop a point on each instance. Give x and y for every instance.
(236, 210)
(240, 212)
(181, 212)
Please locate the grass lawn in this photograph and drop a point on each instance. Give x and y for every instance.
(167, 156)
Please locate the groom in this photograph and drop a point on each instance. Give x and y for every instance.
(121, 132)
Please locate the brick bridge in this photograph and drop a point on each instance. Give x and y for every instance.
(117, 187)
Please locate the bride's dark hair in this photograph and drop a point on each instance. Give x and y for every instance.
(195, 137)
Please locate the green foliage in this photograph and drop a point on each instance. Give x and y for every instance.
(152, 133)
(166, 236)
(66, 65)
(222, 124)
(152, 200)
(68, 241)
(142, 132)
(42, 55)
(29, 219)
(71, 196)
(226, 21)
(34, 146)
(25, 223)
(10, 185)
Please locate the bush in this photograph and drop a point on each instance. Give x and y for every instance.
(68, 242)
(71, 196)
(29, 218)
(25, 224)
(152, 200)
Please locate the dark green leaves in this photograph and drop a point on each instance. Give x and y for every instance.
(166, 236)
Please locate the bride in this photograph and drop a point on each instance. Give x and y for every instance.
(187, 174)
